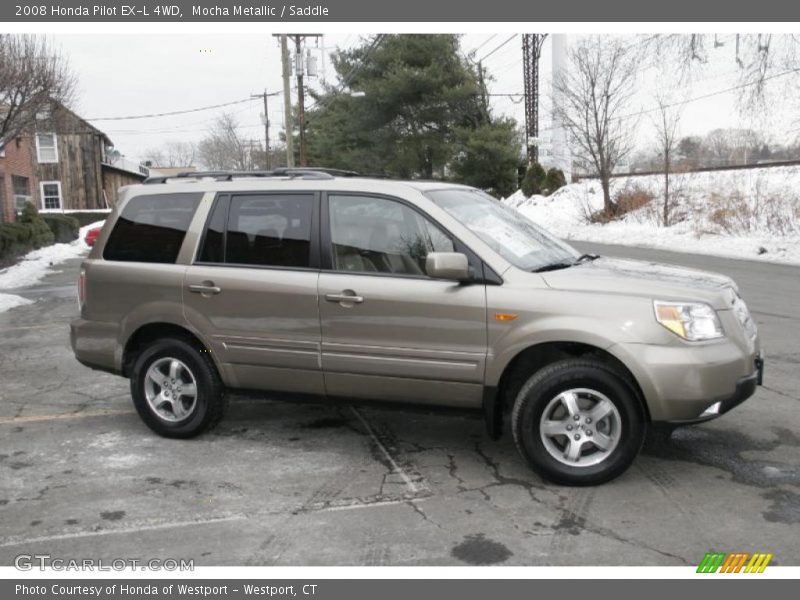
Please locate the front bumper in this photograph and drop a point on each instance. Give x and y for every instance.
(745, 388)
(684, 384)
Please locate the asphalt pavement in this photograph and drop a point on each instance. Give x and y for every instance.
(309, 484)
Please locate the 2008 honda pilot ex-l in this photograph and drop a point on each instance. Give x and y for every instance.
(307, 282)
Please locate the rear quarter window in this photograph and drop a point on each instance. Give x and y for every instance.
(151, 228)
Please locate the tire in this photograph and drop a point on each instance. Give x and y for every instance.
(177, 414)
(546, 432)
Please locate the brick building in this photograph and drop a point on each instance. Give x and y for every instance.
(17, 180)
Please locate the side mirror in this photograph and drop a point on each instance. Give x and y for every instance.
(447, 265)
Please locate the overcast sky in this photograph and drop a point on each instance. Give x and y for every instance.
(128, 75)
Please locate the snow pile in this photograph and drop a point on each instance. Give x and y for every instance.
(36, 264)
(746, 213)
(8, 301)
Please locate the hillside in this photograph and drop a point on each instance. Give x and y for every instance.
(749, 213)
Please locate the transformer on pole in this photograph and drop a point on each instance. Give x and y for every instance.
(531, 52)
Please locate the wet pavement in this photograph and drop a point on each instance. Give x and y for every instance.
(301, 484)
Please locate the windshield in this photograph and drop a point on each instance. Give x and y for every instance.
(521, 242)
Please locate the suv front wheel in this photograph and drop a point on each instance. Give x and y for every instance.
(176, 389)
(578, 422)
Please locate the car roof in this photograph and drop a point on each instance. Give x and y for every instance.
(253, 182)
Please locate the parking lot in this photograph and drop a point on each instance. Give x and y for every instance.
(300, 484)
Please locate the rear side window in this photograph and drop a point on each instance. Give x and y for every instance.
(151, 228)
(272, 230)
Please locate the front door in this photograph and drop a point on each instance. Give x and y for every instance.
(253, 290)
(389, 332)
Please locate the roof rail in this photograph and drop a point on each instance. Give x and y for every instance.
(290, 172)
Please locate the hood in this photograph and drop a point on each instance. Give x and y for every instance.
(641, 278)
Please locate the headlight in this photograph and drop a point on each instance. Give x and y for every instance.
(693, 321)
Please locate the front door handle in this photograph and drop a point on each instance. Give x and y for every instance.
(207, 287)
(346, 297)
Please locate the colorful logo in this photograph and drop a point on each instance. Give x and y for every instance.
(736, 562)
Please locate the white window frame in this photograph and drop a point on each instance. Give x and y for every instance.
(60, 195)
(39, 150)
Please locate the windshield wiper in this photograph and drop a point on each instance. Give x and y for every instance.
(554, 267)
(566, 265)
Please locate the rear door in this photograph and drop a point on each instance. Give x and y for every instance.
(252, 290)
(390, 332)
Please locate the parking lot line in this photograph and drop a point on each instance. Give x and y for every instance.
(18, 541)
(395, 467)
(369, 505)
(81, 415)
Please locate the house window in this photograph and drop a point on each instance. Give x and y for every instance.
(22, 192)
(46, 148)
(51, 195)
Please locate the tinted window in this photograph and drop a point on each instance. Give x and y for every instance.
(212, 250)
(382, 236)
(270, 230)
(151, 228)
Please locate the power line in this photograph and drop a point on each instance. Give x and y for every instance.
(326, 102)
(494, 35)
(172, 113)
(734, 88)
(485, 56)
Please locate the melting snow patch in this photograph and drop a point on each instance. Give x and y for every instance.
(36, 264)
(9, 301)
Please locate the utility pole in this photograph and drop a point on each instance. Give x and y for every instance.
(287, 103)
(301, 99)
(265, 95)
(531, 52)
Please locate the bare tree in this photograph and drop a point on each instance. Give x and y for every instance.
(759, 57)
(225, 148)
(33, 75)
(666, 123)
(732, 145)
(173, 153)
(592, 96)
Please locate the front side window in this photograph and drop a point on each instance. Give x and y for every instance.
(271, 230)
(51, 195)
(518, 240)
(151, 228)
(46, 147)
(377, 235)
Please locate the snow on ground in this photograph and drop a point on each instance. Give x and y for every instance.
(8, 301)
(36, 264)
(747, 213)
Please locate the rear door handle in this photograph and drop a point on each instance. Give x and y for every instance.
(207, 287)
(344, 298)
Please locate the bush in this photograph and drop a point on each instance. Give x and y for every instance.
(554, 180)
(64, 227)
(533, 182)
(40, 232)
(631, 199)
(15, 239)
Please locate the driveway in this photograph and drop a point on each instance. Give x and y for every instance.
(301, 484)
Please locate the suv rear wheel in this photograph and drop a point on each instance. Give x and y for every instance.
(176, 389)
(578, 422)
